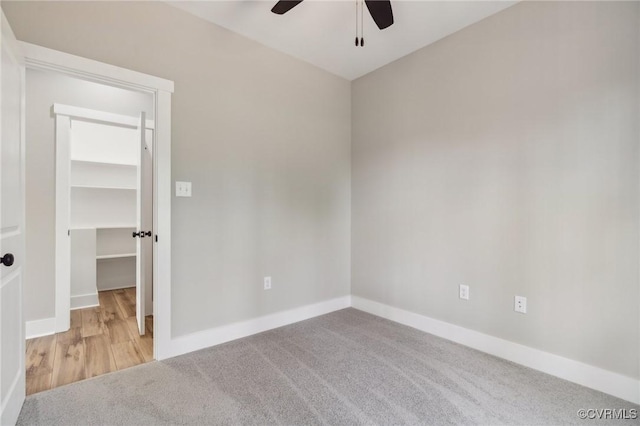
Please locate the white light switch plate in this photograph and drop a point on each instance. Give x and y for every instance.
(183, 189)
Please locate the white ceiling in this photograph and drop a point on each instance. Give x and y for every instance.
(322, 32)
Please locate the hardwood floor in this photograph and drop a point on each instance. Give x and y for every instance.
(101, 340)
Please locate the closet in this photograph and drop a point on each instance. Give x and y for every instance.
(104, 199)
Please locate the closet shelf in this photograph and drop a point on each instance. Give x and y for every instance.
(118, 188)
(105, 226)
(114, 256)
(104, 163)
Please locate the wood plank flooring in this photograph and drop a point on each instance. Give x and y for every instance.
(101, 340)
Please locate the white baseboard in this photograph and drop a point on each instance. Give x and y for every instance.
(615, 384)
(84, 301)
(38, 328)
(215, 336)
(115, 287)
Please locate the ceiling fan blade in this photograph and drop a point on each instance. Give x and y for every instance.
(381, 12)
(283, 6)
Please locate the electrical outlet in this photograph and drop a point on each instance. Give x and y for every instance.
(464, 292)
(267, 283)
(520, 304)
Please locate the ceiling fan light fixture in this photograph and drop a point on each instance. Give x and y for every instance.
(380, 11)
(283, 6)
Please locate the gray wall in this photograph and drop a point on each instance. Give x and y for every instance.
(505, 157)
(43, 89)
(264, 137)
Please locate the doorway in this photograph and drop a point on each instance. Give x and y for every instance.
(40, 59)
(20, 56)
(103, 228)
(103, 162)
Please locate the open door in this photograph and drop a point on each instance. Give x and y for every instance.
(12, 332)
(143, 227)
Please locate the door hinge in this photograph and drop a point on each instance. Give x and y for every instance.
(156, 238)
(68, 232)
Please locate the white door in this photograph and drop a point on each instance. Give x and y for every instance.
(144, 230)
(63, 223)
(12, 337)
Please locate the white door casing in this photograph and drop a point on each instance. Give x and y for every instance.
(12, 329)
(41, 58)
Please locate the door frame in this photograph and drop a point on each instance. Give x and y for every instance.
(41, 58)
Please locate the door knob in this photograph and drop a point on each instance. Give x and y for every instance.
(7, 259)
(141, 234)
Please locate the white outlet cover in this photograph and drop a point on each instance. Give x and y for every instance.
(520, 304)
(267, 283)
(464, 292)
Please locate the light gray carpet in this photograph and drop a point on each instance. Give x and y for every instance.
(344, 368)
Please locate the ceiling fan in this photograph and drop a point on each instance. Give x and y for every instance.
(380, 11)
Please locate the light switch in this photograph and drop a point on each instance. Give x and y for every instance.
(183, 189)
